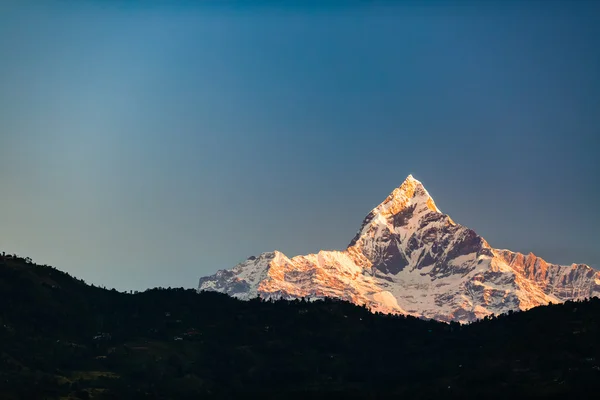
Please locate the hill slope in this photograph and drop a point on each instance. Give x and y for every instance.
(109, 345)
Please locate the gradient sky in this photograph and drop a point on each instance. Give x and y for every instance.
(147, 145)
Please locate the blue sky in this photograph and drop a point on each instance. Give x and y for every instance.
(146, 145)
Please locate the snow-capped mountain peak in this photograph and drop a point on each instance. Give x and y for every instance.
(411, 193)
(410, 258)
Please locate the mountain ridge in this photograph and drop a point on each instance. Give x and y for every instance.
(408, 257)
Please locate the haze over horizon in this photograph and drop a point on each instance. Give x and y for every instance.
(148, 145)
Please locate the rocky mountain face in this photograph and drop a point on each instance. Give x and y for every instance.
(410, 258)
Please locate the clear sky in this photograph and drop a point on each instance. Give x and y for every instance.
(147, 145)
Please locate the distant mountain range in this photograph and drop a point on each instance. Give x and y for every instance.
(410, 258)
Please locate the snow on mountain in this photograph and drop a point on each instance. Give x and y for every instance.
(410, 258)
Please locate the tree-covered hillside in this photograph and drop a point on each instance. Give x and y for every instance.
(63, 339)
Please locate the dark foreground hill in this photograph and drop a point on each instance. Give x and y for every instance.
(63, 339)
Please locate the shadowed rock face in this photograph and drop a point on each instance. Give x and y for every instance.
(410, 258)
(394, 261)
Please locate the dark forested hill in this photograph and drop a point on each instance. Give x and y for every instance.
(63, 339)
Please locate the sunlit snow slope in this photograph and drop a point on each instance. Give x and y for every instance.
(410, 258)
